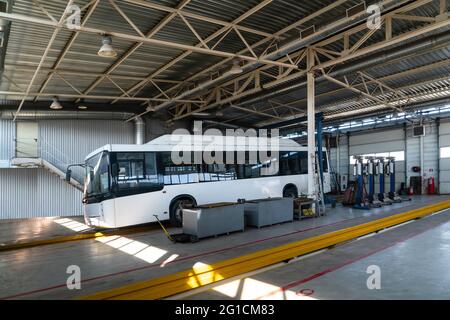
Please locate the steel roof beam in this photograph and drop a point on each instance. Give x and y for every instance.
(185, 13)
(144, 40)
(85, 74)
(222, 31)
(136, 46)
(342, 56)
(278, 34)
(87, 96)
(44, 55)
(69, 44)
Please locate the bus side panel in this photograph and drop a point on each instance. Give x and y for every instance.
(141, 208)
(100, 214)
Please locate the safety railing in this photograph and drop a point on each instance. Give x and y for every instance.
(39, 148)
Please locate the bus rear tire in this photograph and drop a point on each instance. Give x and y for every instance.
(290, 192)
(176, 211)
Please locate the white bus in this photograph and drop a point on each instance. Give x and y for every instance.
(130, 184)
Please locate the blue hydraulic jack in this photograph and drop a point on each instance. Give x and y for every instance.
(374, 202)
(391, 172)
(382, 196)
(360, 198)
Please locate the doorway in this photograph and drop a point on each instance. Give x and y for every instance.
(27, 140)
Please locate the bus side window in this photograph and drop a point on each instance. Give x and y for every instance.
(303, 162)
(251, 169)
(290, 163)
(178, 173)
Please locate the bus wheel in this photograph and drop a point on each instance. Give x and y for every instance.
(290, 192)
(176, 211)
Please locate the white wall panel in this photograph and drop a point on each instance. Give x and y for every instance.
(343, 155)
(377, 147)
(430, 152)
(377, 141)
(444, 164)
(7, 134)
(412, 155)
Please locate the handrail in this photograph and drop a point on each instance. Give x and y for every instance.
(49, 153)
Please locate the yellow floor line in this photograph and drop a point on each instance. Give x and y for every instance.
(207, 274)
(80, 236)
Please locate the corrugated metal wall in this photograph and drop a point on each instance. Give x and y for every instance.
(7, 134)
(444, 164)
(28, 193)
(156, 127)
(340, 166)
(430, 153)
(75, 139)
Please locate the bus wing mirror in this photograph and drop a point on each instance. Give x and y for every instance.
(68, 175)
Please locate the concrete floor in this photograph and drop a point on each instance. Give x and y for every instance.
(40, 272)
(12, 231)
(413, 262)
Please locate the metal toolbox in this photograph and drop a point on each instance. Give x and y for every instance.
(214, 219)
(265, 212)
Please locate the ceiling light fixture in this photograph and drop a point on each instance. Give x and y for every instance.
(236, 68)
(201, 114)
(107, 50)
(82, 107)
(55, 104)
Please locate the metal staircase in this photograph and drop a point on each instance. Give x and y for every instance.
(51, 159)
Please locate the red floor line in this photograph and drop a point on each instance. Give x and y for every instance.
(180, 259)
(337, 267)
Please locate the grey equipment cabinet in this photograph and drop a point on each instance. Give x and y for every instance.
(213, 219)
(265, 212)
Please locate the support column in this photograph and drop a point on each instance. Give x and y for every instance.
(311, 126)
(422, 162)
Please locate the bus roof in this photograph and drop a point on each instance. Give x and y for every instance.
(179, 142)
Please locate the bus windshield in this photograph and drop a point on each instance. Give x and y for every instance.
(97, 175)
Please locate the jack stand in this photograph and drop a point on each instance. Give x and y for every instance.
(375, 203)
(382, 196)
(360, 199)
(391, 173)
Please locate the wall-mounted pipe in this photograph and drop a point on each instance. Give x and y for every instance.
(64, 115)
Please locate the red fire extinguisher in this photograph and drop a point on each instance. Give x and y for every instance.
(431, 185)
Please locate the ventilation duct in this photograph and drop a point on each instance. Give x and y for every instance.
(65, 115)
(139, 130)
